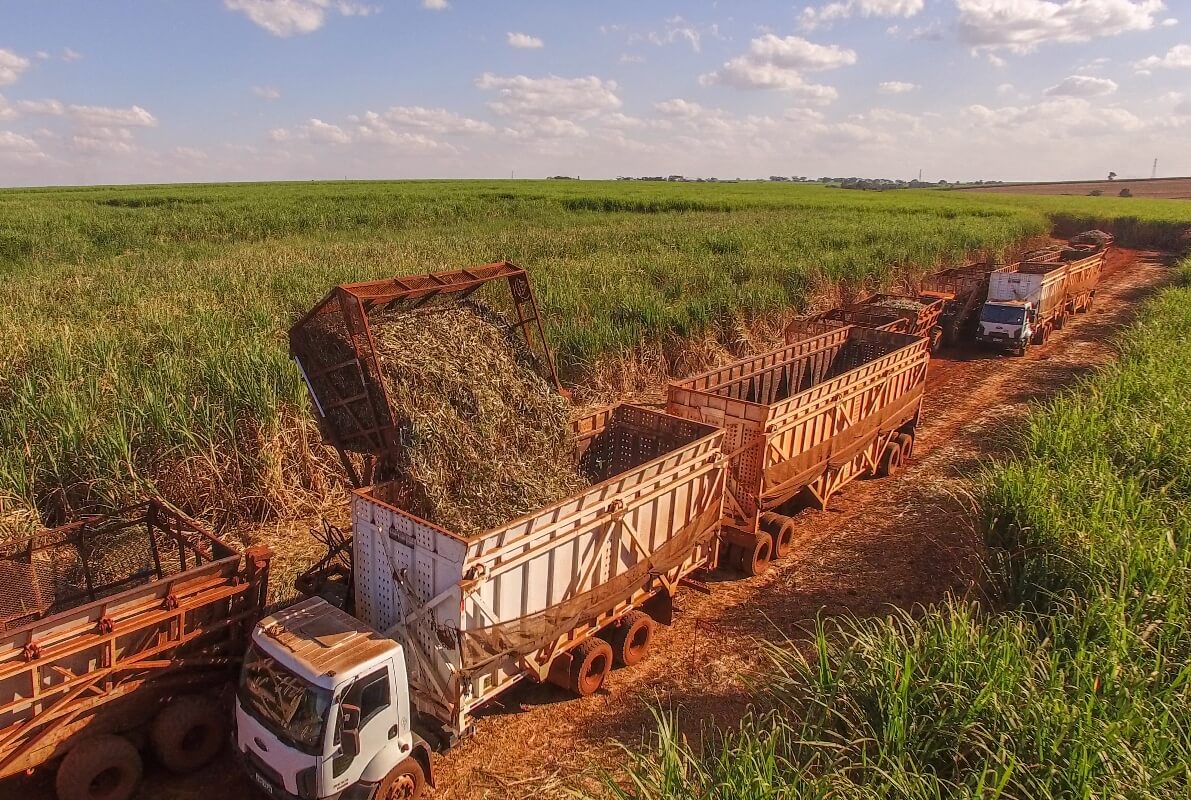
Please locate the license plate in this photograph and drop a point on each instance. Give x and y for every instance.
(263, 783)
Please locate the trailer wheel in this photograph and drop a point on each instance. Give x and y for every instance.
(891, 459)
(907, 444)
(404, 782)
(630, 640)
(781, 530)
(103, 768)
(1060, 321)
(187, 734)
(584, 672)
(755, 560)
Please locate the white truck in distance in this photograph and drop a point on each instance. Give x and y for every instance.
(1019, 304)
(328, 701)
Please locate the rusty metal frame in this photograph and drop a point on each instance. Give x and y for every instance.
(374, 435)
(142, 638)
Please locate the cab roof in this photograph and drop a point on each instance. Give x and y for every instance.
(322, 640)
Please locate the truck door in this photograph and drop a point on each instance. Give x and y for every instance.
(374, 726)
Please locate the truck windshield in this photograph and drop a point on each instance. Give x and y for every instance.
(293, 710)
(1003, 315)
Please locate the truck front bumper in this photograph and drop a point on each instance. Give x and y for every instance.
(267, 781)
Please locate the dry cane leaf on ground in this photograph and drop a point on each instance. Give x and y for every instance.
(485, 438)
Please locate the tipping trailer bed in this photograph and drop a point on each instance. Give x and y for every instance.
(963, 290)
(106, 618)
(807, 418)
(335, 351)
(478, 615)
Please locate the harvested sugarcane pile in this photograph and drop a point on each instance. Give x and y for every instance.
(901, 303)
(485, 439)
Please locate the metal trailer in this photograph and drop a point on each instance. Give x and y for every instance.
(114, 623)
(519, 599)
(1083, 276)
(335, 352)
(920, 313)
(962, 290)
(801, 422)
(443, 624)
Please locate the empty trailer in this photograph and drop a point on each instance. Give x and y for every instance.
(802, 421)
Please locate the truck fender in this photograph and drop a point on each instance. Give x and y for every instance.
(393, 754)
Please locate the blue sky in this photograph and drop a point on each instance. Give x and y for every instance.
(169, 90)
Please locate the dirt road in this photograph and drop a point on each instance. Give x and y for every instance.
(899, 541)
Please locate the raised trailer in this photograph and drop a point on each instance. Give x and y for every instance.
(801, 422)
(963, 291)
(114, 623)
(444, 624)
(335, 352)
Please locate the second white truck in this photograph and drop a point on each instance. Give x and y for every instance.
(349, 706)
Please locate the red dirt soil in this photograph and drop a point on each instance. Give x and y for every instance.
(1169, 188)
(901, 541)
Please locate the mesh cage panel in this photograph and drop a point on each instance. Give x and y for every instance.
(98, 557)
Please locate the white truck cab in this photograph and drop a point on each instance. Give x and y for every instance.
(323, 712)
(1009, 324)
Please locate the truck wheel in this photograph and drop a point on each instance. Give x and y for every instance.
(101, 768)
(405, 782)
(891, 459)
(755, 560)
(187, 734)
(630, 639)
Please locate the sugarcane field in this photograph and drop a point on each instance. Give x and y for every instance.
(353, 448)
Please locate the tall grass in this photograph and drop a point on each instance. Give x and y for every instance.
(1076, 685)
(142, 333)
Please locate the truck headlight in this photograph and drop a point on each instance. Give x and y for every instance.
(307, 790)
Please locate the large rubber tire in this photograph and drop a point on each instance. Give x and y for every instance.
(755, 560)
(936, 339)
(187, 734)
(907, 444)
(405, 782)
(631, 638)
(891, 459)
(1060, 321)
(100, 768)
(590, 664)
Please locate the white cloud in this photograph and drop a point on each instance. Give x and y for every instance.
(436, 5)
(41, 55)
(896, 87)
(266, 92)
(1178, 57)
(434, 120)
(1169, 22)
(1004, 89)
(774, 62)
(679, 108)
(1055, 120)
(1082, 86)
(71, 55)
(551, 96)
(679, 30)
(1021, 26)
(107, 117)
(11, 67)
(524, 41)
(814, 17)
(629, 58)
(6, 109)
(18, 149)
(49, 108)
(289, 17)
